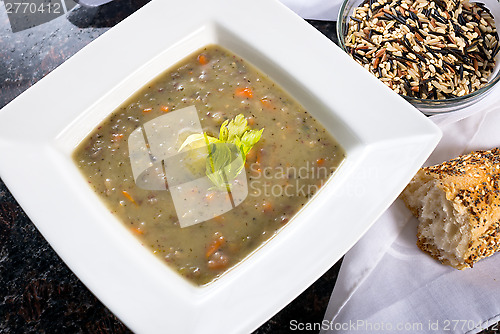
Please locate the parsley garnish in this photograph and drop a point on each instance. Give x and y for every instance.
(226, 154)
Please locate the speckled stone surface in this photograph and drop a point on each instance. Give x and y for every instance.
(38, 293)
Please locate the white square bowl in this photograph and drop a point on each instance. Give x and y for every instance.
(385, 138)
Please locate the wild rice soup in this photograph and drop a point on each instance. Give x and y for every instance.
(293, 159)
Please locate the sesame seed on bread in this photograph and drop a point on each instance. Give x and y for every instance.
(457, 204)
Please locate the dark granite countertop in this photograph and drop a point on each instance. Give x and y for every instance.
(38, 293)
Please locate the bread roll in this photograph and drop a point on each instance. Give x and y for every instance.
(458, 207)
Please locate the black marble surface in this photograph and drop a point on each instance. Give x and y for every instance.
(38, 293)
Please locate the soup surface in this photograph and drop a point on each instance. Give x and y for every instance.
(294, 157)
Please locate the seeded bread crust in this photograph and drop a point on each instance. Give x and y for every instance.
(470, 190)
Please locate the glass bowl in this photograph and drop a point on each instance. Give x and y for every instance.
(430, 107)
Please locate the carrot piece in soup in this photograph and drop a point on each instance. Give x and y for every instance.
(244, 92)
(259, 156)
(220, 219)
(129, 197)
(210, 196)
(215, 245)
(267, 206)
(137, 231)
(266, 102)
(251, 157)
(250, 120)
(202, 59)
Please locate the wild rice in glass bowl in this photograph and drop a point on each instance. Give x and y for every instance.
(438, 39)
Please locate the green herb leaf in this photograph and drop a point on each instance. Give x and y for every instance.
(237, 127)
(226, 155)
(224, 132)
(197, 140)
(249, 139)
(223, 165)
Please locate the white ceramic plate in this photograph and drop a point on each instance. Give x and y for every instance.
(385, 138)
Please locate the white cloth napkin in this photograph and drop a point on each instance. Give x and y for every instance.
(386, 284)
(315, 9)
